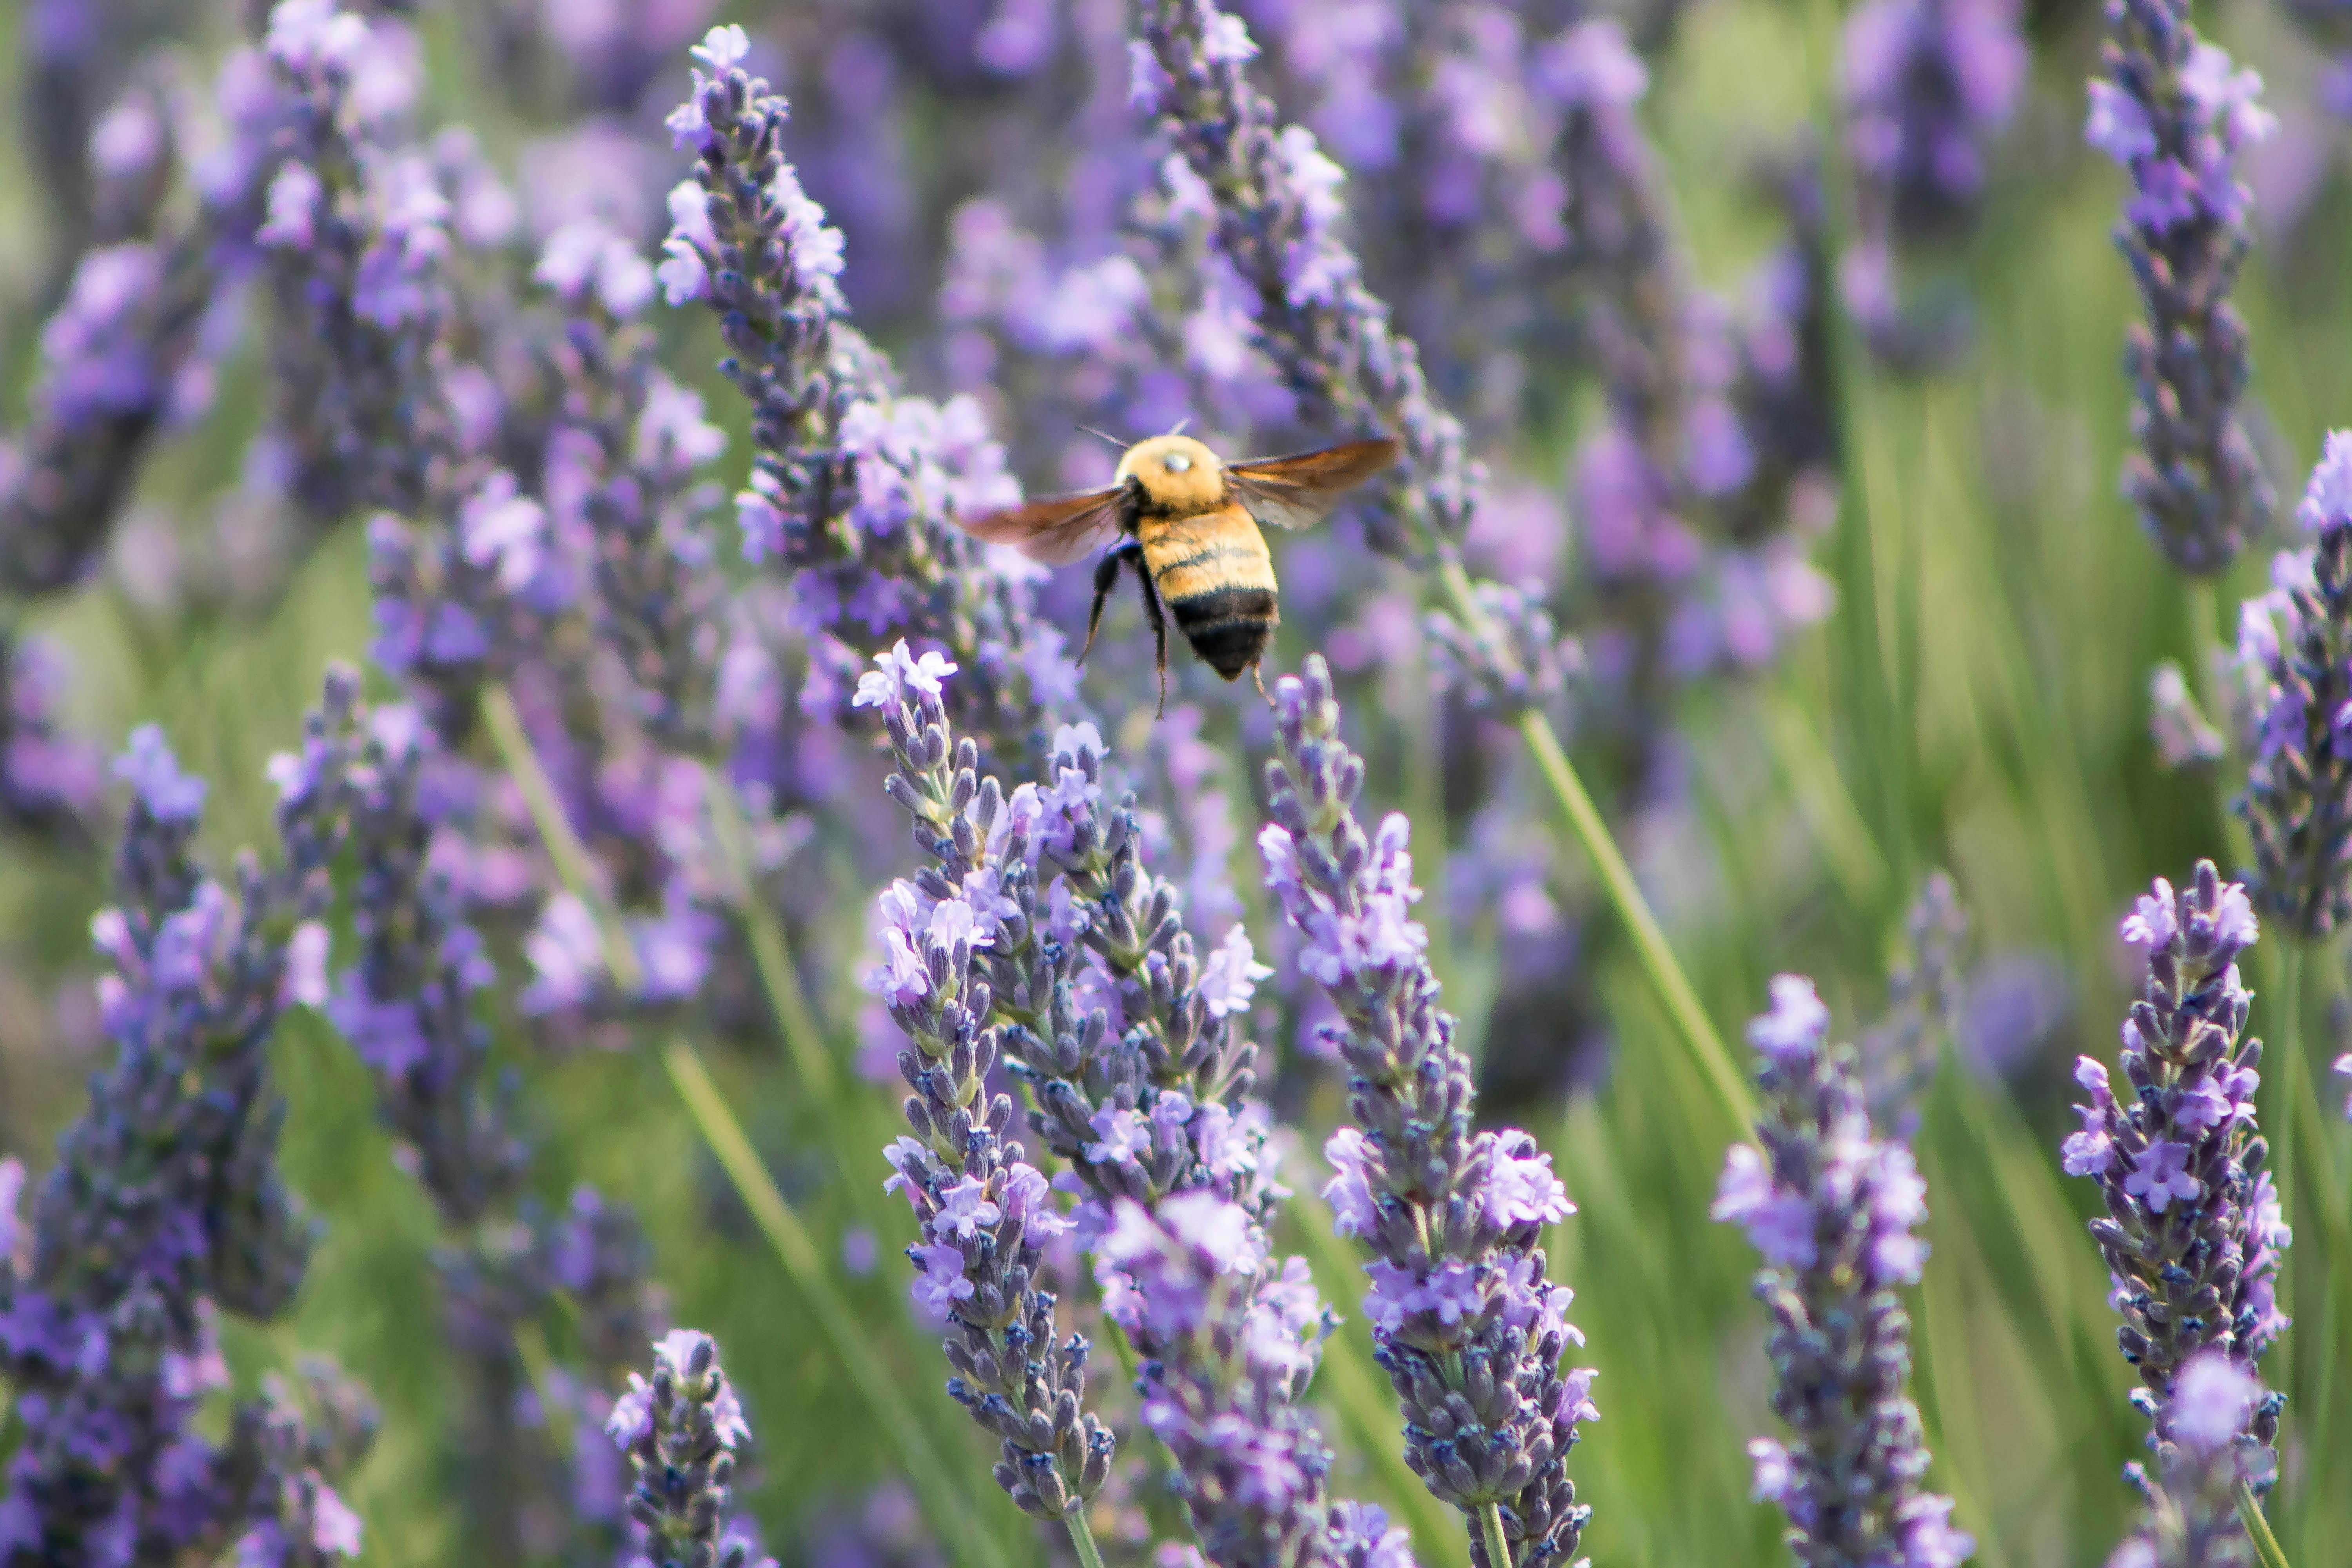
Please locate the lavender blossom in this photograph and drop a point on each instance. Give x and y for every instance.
(1152, 1115)
(1464, 1319)
(49, 778)
(622, 469)
(1277, 217)
(285, 1452)
(118, 361)
(1230, 1338)
(385, 355)
(1898, 1057)
(1927, 85)
(853, 486)
(680, 1432)
(407, 1006)
(2294, 653)
(165, 1205)
(2184, 737)
(2192, 1496)
(1832, 1205)
(2177, 112)
(409, 1009)
(984, 1210)
(2192, 1233)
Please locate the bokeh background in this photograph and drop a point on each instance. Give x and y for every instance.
(978, 156)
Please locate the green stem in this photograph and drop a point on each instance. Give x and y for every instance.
(2258, 1529)
(1658, 961)
(1082, 1536)
(851, 1342)
(770, 953)
(1490, 1523)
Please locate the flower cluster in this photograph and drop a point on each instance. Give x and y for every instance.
(984, 1212)
(2295, 654)
(853, 485)
(1071, 930)
(407, 1006)
(1832, 1207)
(2192, 1233)
(1464, 1319)
(126, 353)
(624, 472)
(49, 779)
(680, 1432)
(165, 1206)
(1232, 1340)
(1927, 84)
(2177, 112)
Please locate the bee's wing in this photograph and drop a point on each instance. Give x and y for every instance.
(1305, 488)
(1055, 529)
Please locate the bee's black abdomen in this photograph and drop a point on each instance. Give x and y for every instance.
(1228, 627)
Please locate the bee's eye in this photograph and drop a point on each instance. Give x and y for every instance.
(1175, 462)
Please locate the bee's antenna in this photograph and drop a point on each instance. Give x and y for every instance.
(1180, 426)
(1105, 435)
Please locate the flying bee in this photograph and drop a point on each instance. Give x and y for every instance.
(1188, 523)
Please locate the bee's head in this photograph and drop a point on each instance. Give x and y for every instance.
(1175, 472)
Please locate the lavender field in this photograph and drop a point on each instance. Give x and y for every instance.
(587, 977)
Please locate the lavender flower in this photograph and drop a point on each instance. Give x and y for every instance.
(680, 1432)
(407, 1006)
(2177, 112)
(2294, 651)
(2191, 1497)
(1927, 84)
(119, 359)
(1277, 217)
(2192, 1233)
(164, 1204)
(1230, 1338)
(1153, 1116)
(984, 1210)
(1464, 1319)
(49, 778)
(853, 485)
(1898, 1057)
(622, 471)
(285, 1452)
(2184, 737)
(1832, 1207)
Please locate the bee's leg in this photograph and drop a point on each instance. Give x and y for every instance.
(1159, 619)
(1106, 579)
(1258, 676)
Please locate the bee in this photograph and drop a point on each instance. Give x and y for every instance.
(1188, 523)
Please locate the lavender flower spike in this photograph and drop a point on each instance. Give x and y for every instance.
(2177, 113)
(679, 1432)
(1153, 1119)
(1464, 1319)
(2192, 1513)
(165, 1205)
(2294, 653)
(984, 1210)
(1832, 1207)
(2192, 1234)
(853, 486)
